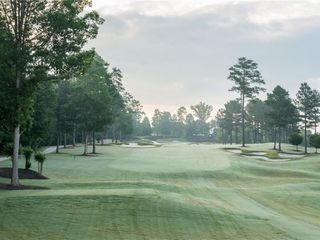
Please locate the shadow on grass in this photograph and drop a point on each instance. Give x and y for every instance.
(23, 174)
(4, 186)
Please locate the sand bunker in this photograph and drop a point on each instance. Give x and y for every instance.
(283, 157)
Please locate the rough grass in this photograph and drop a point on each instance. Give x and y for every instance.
(178, 191)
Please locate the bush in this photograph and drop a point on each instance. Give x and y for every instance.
(27, 152)
(40, 158)
(314, 141)
(295, 139)
(8, 149)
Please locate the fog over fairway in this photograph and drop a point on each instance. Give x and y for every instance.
(177, 53)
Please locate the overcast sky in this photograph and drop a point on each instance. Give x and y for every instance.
(177, 52)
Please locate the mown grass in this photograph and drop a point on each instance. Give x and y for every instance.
(177, 191)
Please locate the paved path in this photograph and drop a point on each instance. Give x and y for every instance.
(4, 159)
(46, 151)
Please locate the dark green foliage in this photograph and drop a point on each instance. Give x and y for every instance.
(8, 149)
(27, 152)
(146, 129)
(282, 112)
(307, 103)
(162, 123)
(258, 119)
(42, 129)
(183, 124)
(40, 158)
(190, 126)
(229, 119)
(295, 139)
(247, 81)
(314, 141)
(90, 102)
(45, 39)
(202, 111)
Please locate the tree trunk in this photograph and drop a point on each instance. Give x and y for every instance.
(279, 140)
(275, 139)
(85, 151)
(74, 137)
(90, 139)
(83, 137)
(16, 137)
(58, 143)
(102, 143)
(242, 122)
(236, 134)
(113, 134)
(255, 137)
(15, 158)
(94, 142)
(65, 139)
(305, 135)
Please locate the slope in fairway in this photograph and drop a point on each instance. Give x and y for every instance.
(178, 191)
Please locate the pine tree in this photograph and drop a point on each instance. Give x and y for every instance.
(247, 79)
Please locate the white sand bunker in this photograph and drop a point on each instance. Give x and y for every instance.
(238, 151)
(137, 145)
(267, 159)
(285, 155)
(282, 157)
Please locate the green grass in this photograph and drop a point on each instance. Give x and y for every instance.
(177, 191)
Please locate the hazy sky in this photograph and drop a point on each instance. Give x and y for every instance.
(177, 52)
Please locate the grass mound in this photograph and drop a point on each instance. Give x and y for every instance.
(145, 142)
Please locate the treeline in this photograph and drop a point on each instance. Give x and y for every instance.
(83, 109)
(42, 42)
(194, 126)
(276, 119)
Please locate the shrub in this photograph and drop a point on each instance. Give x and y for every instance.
(27, 152)
(8, 149)
(295, 139)
(314, 141)
(40, 158)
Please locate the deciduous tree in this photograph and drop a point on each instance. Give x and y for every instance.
(47, 37)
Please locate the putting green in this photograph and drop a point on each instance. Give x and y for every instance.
(177, 191)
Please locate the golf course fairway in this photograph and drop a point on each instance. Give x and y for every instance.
(177, 191)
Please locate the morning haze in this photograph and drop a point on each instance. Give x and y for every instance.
(159, 120)
(188, 47)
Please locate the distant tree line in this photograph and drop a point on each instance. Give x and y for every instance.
(195, 125)
(249, 119)
(84, 109)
